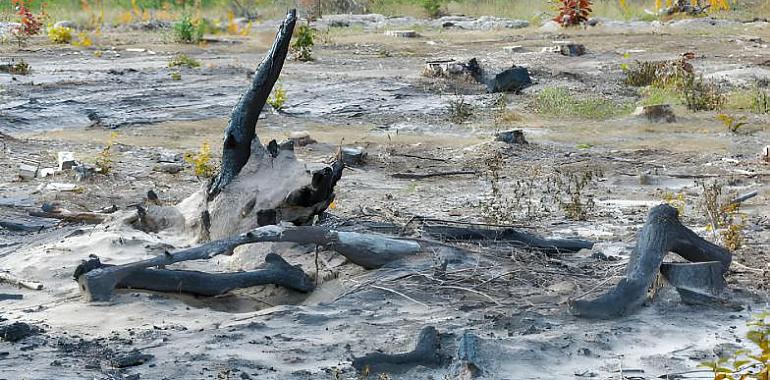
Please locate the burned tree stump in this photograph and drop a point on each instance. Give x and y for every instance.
(427, 353)
(662, 233)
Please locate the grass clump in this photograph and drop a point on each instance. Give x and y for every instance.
(60, 34)
(188, 30)
(699, 95)
(201, 161)
(184, 60)
(655, 95)
(302, 47)
(278, 98)
(459, 109)
(558, 102)
(753, 100)
(104, 159)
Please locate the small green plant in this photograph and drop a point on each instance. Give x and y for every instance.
(732, 123)
(201, 161)
(60, 34)
(747, 364)
(17, 68)
(459, 109)
(302, 47)
(760, 102)
(184, 60)
(104, 158)
(432, 7)
(189, 30)
(277, 98)
(175, 75)
(700, 95)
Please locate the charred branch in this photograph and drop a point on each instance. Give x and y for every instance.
(426, 353)
(662, 233)
(505, 234)
(275, 271)
(367, 250)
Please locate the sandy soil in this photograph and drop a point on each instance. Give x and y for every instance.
(365, 89)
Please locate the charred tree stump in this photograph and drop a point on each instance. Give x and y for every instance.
(240, 133)
(367, 250)
(275, 271)
(662, 233)
(427, 353)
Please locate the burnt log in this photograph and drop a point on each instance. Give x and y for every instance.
(505, 234)
(367, 250)
(240, 133)
(426, 353)
(661, 234)
(275, 271)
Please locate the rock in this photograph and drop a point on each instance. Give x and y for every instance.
(449, 68)
(169, 167)
(66, 160)
(766, 154)
(27, 171)
(131, 359)
(83, 172)
(65, 24)
(510, 80)
(17, 331)
(401, 33)
(353, 156)
(166, 156)
(45, 172)
(657, 113)
(550, 26)
(572, 50)
(513, 49)
(301, 138)
(62, 187)
(515, 136)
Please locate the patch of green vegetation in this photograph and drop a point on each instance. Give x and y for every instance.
(699, 95)
(184, 60)
(278, 98)
(656, 95)
(302, 47)
(558, 102)
(188, 30)
(754, 100)
(59, 34)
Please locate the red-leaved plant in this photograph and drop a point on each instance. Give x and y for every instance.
(573, 12)
(30, 24)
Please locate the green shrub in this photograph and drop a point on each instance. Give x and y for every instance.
(188, 30)
(302, 47)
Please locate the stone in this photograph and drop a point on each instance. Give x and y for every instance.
(510, 80)
(169, 167)
(572, 50)
(515, 136)
(66, 160)
(27, 171)
(65, 24)
(55, 186)
(353, 156)
(83, 172)
(513, 49)
(656, 113)
(301, 138)
(401, 33)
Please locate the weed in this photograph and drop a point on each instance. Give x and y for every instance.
(498, 209)
(189, 30)
(302, 47)
(503, 116)
(30, 24)
(175, 75)
(277, 98)
(747, 363)
(234, 28)
(760, 102)
(573, 12)
(558, 102)
(662, 74)
(17, 68)
(722, 216)
(183, 60)
(573, 186)
(700, 95)
(432, 7)
(459, 110)
(104, 158)
(60, 34)
(201, 161)
(732, 123)
(83, 40)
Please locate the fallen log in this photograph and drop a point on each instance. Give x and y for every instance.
(7, 278)
(429, 175)
(275, 271)
(426, 353)
(505, 234)
(662, 233)
(367, 250)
